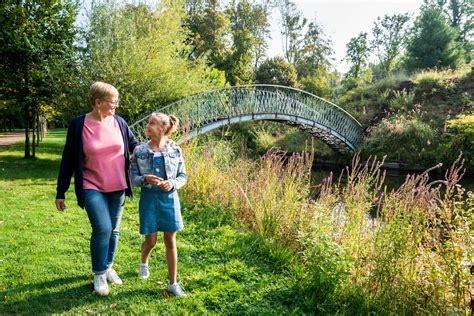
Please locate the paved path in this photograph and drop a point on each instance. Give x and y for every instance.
(10, 138)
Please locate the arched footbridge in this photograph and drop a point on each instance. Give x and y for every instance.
(204, 112)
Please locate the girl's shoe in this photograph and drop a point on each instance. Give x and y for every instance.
(113, 277)
(143, 271)
(176, 290)
(100, 284)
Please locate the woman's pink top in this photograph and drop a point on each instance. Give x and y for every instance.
(104, 159)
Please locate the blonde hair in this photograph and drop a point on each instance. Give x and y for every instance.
(99, 90)
(170, 122)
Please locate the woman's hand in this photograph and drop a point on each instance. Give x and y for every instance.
(166, 185)
(60, 205)
(153, 180)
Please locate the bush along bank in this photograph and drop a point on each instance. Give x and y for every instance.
(357, 247)
(425, 119)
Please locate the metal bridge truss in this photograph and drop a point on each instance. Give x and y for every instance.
(204, 112)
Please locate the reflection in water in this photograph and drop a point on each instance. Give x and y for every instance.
(393, 179)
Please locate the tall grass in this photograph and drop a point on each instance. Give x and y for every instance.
(361, 248)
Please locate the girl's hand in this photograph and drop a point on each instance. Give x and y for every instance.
(166, 185)
(153, 180)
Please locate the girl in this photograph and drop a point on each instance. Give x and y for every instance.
(158, 167)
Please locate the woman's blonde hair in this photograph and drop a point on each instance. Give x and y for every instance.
(169, 122)
(99, 90)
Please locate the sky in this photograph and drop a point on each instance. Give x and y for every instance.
(342, 20)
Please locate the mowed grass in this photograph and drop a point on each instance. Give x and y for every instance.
(45, 262)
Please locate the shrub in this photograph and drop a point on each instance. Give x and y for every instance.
(460, 139)
(401, 139)
(359, 248)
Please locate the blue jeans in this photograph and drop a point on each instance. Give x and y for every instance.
(105, 213)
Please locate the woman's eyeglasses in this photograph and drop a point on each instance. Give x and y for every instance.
(112, 102)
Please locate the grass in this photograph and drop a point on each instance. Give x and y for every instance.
(253, 242)
(45, 263)
(360, 247)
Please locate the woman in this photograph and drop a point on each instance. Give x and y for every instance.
(97, 153)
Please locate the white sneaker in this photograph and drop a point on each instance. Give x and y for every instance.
(143, 271)
(176, 290)
(113, 277)
(100, 284)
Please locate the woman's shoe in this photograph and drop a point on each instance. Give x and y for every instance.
(100, 284)
(113, 277)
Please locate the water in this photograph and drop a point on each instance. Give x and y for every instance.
(393, 178)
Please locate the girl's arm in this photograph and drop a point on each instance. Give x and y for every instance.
(181, 176)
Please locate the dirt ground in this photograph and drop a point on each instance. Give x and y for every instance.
(10, 138)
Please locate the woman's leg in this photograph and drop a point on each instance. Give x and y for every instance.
(147, 246)
(116, 201)
(171, 256)
(97, 209)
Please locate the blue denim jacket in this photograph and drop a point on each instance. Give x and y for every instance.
(142, 165)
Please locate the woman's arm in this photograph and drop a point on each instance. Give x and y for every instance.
(66, 169)
(137, 178)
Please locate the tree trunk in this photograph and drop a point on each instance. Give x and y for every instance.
(27, 108)
(27, 133)
(38, 127)
(33, 134)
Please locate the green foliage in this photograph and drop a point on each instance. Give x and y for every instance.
(411, 140)
(142, 52)
(362, 80)
(249, 28)
(367, 101)
(461, 18)
(36, 36)
(402, 102)
(358, 248)
(208, 27)
(388, 40)
(433, 42)
(313, 56)
(293, 23)
(357, 54)
(276, 71)
(224, 269)
(460, 138)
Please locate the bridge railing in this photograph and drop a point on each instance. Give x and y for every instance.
(200, 109)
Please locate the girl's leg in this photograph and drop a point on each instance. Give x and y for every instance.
(147, 246)
(171, 256)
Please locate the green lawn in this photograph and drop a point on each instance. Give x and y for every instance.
(45, 264)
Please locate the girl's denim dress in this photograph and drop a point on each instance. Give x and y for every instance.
(159, 210)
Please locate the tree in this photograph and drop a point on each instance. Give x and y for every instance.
(315, 51)
(389, 39)
(143, 52)
(357, 54)
(208, 26)
(460, 14)
(249, 29)
(433, 42)
(276, 71)
(293, 24)
(35, 36)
